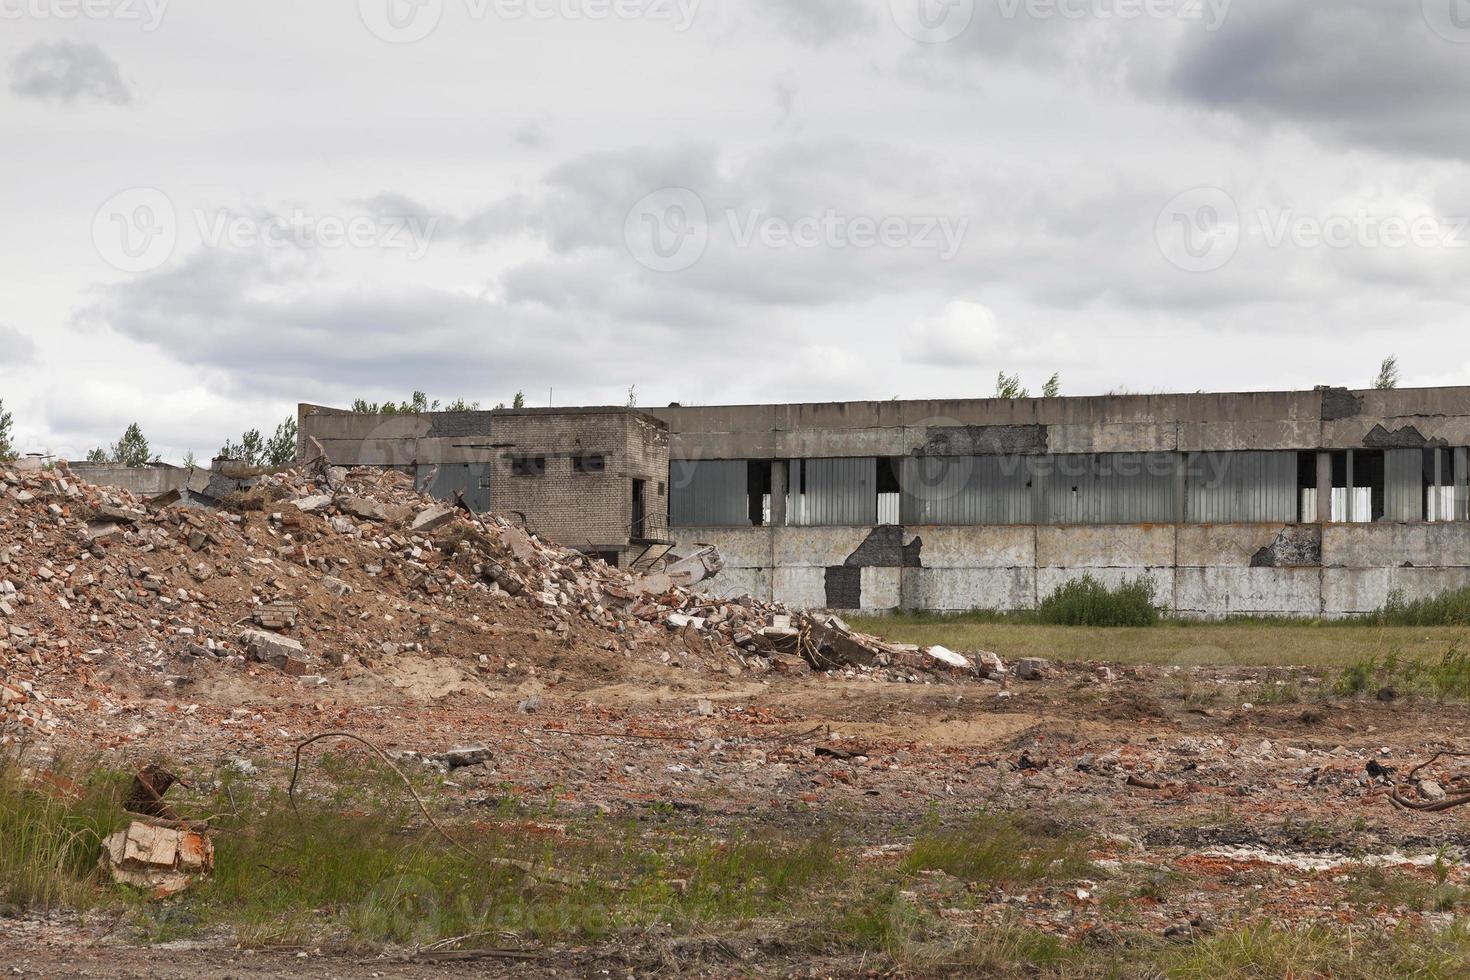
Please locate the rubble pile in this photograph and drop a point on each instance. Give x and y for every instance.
(321, 570)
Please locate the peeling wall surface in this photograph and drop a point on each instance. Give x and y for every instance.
(1201, 571)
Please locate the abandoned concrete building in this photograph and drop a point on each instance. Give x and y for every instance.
(1310, 503)
(595, 479)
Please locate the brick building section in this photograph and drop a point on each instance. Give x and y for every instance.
(537, 473)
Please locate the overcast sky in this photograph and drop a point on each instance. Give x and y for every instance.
(217, 210)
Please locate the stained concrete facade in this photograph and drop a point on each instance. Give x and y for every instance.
(1198, 571)
(1306, 503)
(1346, 564)
(144, 481)
(595, 479)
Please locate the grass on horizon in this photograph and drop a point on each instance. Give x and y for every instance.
(1251, 643)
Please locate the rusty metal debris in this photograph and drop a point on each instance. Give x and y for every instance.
(1455, 790)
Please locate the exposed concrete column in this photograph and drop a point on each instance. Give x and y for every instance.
(1462, 492)
(778, 493)
(1181, 487)
(1324, 488)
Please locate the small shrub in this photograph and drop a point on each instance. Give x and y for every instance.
(1448, 679)
(1087, 602)
(1447, 609)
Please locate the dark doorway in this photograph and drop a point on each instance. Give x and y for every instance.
(640, 510)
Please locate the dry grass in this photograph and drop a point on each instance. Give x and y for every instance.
(1265, 644)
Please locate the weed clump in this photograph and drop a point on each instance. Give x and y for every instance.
(1446, 609)
(1088, 602)
(1447, 679)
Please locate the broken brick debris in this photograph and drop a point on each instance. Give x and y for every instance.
(321, 568)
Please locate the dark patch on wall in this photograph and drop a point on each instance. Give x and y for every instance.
(1340, 403)
(1295, 547)
(1407, 437)
(884, 548)
(458, 425)
(844, 587)
(984, 440)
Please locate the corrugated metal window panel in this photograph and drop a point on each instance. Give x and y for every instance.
(1111, 488)
(966, 490)
(709, 493)
(1242, 487)
(838, 492)
(1403, 485)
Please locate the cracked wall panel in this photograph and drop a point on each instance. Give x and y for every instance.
(843, 587)
(1368, 546)
(983, 440)
(886, 548)
(979, 547)
(963, 589)
(1299, 547)
(1220, 592)
(1105, 546)
(1340, 403)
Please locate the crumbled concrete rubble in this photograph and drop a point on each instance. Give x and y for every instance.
(321, 571)
(162, 861)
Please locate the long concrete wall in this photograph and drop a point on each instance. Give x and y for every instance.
(1334, 418)
(145, 481)
(1205, 571)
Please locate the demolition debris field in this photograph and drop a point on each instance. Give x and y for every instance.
(537, 764)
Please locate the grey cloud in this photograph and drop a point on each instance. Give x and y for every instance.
(278, 330)
(819, 22)
(1368, 72)
(1063, 238)
(532, 135)
(66, 72)
(1363, 72)
(16, 349)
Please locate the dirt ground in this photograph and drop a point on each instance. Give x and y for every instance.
(1235, 796)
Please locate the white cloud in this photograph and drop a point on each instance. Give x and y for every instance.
(963, 336)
